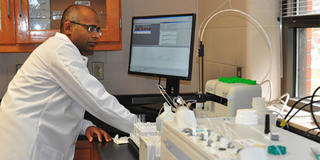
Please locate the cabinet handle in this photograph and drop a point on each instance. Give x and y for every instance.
(20, 8)
(8, 8)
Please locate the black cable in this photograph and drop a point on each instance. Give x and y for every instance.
(295, 105)
(159, 81)
(202, 73)
(300, 110)
(307, 132)
(199, 70)
(311, 108)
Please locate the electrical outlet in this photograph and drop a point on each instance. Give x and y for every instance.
(239, 72)
(98, 70)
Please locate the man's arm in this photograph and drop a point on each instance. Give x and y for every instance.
(71, 73)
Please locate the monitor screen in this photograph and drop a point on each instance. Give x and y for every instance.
(162, 45)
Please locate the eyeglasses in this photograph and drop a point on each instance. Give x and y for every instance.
(90, 28)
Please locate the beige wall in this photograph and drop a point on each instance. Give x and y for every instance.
(258, 59)
(224, 39)
(8, 63)
(232, 40)
(116, 78)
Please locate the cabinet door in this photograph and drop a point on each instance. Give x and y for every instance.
(6, 22)
(39, 19)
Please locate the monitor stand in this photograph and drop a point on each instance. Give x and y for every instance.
(172, 86)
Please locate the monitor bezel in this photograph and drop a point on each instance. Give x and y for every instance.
(193, 15)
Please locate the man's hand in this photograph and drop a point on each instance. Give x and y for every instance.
(95, 131)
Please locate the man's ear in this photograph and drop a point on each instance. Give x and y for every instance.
(67, 26)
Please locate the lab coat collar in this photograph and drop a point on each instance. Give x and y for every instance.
(66, 38)
(62, 36)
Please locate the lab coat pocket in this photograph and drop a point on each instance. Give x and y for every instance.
(47, 152)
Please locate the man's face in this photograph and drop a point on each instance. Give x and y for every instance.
(84, 38)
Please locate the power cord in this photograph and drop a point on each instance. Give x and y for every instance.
(307, 132)
(300, 110)
(284, 122)
(270, 88)
(293, 106)
(311, 108)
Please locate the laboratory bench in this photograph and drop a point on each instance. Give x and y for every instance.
(147, 104)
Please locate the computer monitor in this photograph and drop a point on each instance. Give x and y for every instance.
(162, 46)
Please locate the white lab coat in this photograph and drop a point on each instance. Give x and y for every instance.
(41, 114)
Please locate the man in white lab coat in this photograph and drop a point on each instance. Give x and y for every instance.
(41, 114)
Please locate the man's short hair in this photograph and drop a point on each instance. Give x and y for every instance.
(71, 13)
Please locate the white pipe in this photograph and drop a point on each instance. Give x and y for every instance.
(251, 18)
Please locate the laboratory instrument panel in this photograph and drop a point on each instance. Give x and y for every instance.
(221, 138)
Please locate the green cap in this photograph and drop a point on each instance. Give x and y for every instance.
(237, 80)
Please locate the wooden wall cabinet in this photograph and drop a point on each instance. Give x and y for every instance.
(86, 151)
(24, 24)
(7, 22)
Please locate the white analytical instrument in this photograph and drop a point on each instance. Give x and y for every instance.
(231, 96)
(222, 139)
